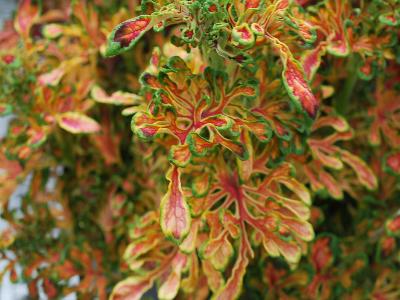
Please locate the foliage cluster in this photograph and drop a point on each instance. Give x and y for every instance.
(202, 149)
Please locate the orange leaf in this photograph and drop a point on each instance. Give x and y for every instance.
(131, 288)
(363, 172)
(233, 287)
(27, 15)
(179, 155)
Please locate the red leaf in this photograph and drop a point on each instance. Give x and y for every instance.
(393, 226)
(312, 60)
(131, 30)
(393, 162)
(321, 254)
(243, 35)
(294, 81)
(298, 88)
(252, 3)
(127, 34)
(175, 215)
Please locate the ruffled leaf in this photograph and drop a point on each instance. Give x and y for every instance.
(179, 155)
(144, 126)
(201, 185)
(243, 35)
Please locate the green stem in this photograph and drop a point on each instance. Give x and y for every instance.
(343, 98)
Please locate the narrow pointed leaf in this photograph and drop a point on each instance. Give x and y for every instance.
(169, 289)
(131, 288)
(75, 122)
(233, 287)
(363, 172)
(117, 98)
(298, 89)
(175, 214)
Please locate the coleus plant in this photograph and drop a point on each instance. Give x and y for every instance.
(202, 149)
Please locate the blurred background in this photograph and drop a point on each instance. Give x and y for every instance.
(8, 290)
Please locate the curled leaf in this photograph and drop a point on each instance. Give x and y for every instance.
(52, 78)
(243, 35)
(298, 88)
(311, 61)
(52, 31)
(180, 155)
(126, 34)
(294, 81)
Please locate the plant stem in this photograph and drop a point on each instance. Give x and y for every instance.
(342, 100)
